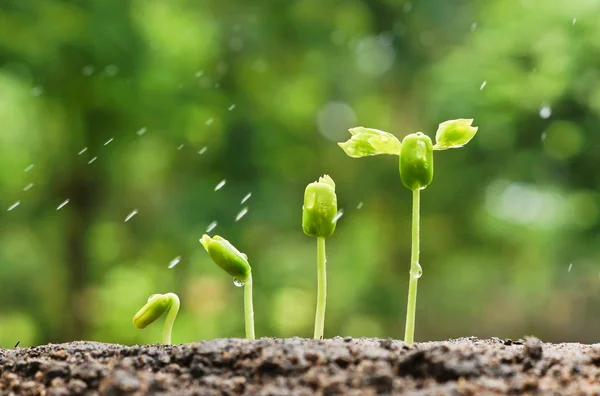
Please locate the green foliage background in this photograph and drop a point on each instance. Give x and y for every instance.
(502, 222)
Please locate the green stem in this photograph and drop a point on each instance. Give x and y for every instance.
(322, 289)
(171, 315)
(249, 308)
(409, 332)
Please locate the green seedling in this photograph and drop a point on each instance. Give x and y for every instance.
(156, 306)
(235, 263)
(416, 172)
(319, 220)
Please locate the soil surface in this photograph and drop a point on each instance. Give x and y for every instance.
(339, 366)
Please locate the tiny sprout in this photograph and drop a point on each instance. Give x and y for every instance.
(319, 218)
(156, 306)
(235, 263)
(416, 172)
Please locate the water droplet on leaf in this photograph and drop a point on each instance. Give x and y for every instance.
(418, 273)
(237, 282)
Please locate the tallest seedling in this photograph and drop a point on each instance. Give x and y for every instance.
(416, 172)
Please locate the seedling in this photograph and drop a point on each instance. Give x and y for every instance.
(319, 220)
(416, 172)
(235, 263)
(157, 305)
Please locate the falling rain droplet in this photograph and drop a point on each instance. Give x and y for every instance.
(92, 160)
(220, 185)
(545, 112)
(180, 147)
(199, 73)
(483, 84)
(28, 187)
(241, 214)
(109, 141)
(211, 226)
(82, 151)
(30, 167)
(337, 216)
(209, 121)
(237, 282)
(14, 205)
(247, 197)
(473, 26)
(141, 131)
(174, 262)
(574, 20)
(130, 215)
(360, 205)
(419, 272)
(570, 266)
(203, 150)
(66, 201)
(231, 107)
(544, 134)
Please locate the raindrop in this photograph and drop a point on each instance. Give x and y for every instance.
(130, 215)
(419, 272)
(220, 185)
(570, 266)
(66, 201)
(111, 70)
(574, 20)
(203, 150)
(82, 151)
(473, 26)
(180, 147)
(30, 167)
(28, 187)
(241, 214)
(199, 73)
(483, 84)
(211, 226)
(14, 205)
(108, 141)
(360, 205)
(337, 216)
(545, 112)
(544, 136)
(237, 282)
(247, 197)
(231, 107)
(92, 160)
(87, 70)
(175, 261)
(141, 131)
(209, 121)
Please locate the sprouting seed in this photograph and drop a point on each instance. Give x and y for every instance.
(141, 131)
(108, 141)
(570, 266)
(92, 160)
(231, 107)
(28, 187)
(483, 84)
(211, 226)
(130, 215)
(247, 197)
(203, 150)
(242, 213)
(209, 121)
(360, 205)
(220, 185)
(14, 205)
(174, 262)
(82, 151)
(337, 216)
(30, 167)
(66, 201)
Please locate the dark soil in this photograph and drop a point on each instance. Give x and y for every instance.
(296, 366)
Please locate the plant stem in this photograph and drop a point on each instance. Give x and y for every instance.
(249, 308)
(409, 331)
(322, 289)
(171, 315)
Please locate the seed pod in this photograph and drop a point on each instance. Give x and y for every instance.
(416, 161)
(454, 133)
(156, 306)
(226, 256)
(320, 208)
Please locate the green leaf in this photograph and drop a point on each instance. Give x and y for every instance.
(367, 141)
(454, 134)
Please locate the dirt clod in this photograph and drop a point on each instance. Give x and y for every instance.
(339, 366)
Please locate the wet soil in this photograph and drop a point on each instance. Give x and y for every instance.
(339, 366)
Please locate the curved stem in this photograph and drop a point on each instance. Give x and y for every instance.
(409, 331)
(171, 315)
(249, 308)
(322, 289)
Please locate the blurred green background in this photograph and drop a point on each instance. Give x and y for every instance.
(140, 108)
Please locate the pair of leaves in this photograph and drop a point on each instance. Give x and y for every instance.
(367, 141)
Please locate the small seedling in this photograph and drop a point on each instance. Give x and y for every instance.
(416, 172)
(235, 263)
(319, 220)
(157, 305)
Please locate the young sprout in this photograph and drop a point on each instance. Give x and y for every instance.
(319, 220)
(156, 306)
(235, 263)
(416, 172)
